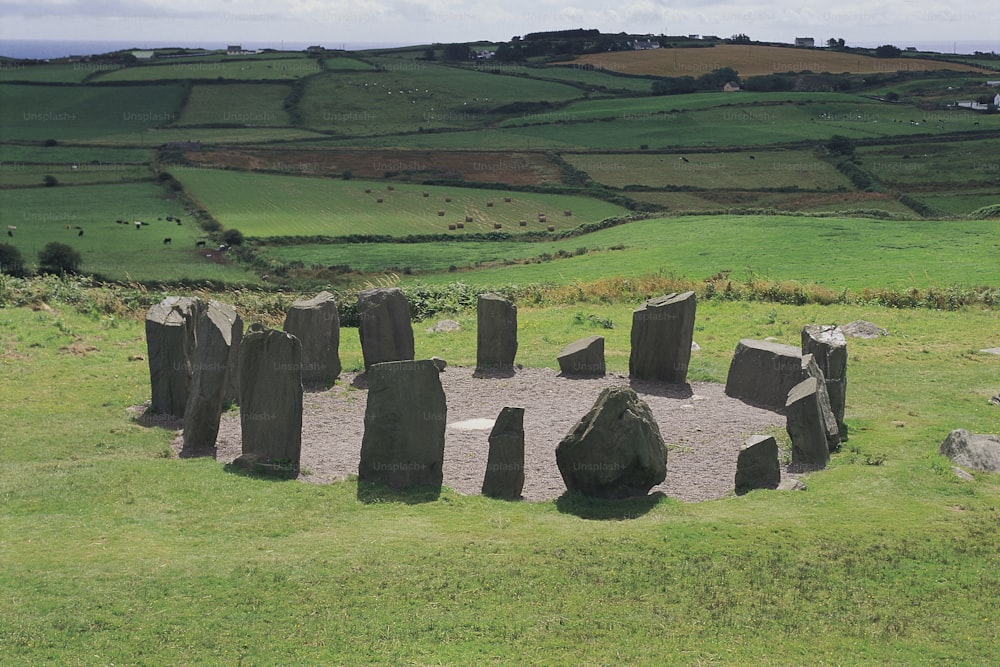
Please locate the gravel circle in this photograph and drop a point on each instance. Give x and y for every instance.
(703, 428)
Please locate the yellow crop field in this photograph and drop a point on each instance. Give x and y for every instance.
(754, 60)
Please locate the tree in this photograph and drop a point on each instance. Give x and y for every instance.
(840, 145)
(835, 43)
(457, 52)
(50, 181)
(11, 261)
(740, 38)
(59, 258)
(232, 237)
(888, 51)
(429, 54)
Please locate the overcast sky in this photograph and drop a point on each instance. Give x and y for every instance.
(335, 22)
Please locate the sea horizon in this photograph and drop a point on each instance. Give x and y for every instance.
(45, 49)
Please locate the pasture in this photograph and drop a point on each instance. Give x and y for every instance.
(248, 105)
(46, 73)
(262, 205)
(801, 201)
(21, 175)
(254, 69)
(116, 251)
(756, 59)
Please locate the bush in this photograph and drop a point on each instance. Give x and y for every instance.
(59, 258)
(232, 237)
(11, 261)
(50, 181)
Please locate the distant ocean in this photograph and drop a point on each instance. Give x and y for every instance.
(41, 49)
(960, 46)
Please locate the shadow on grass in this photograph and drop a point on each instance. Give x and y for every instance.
(371, 493)
(266, 470)
(600, 509)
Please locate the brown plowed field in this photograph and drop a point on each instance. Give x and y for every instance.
(524, 168)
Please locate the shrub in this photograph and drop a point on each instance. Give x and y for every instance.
(232, 237)
(11, 261)
(50, 181)
(59, 258)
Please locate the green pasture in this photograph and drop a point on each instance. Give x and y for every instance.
(47, 73)
(414, 95)
(217, 69)
(116, 551)
(71, 154)
(81, 113)
(157, 136)
(21, 175)
(806, 202)
(744, 170)
(960, 202)
(595, 81)
(839, 253)
(236, 104)
(115, 251)
(972, 163)
(270, 205)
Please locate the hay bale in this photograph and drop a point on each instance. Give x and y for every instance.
(551, 228)
(441, 212)
(427, 194)
(542, 218)
(468, 218)
(460, 225)
(378, 200)
(447, 200)
(497, 225)
(523, 223)
(452, 227)
(368, 191)
(506, 200)
(567, 212)
(390, 188)
(489, 204)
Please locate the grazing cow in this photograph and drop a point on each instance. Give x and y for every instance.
(200, 244)
(80, 233)
(138, 225)
(167, 240)
(752, 157)
(178, 221)
(10, 233)
(222, 248)
(684, 159)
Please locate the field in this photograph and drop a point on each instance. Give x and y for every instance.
(236, 104)
(754, 60)
(216, 69)
(19, 174)
(267, 205)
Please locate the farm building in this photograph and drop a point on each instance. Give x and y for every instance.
(807, 42)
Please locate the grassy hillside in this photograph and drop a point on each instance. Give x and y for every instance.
(754, 59)
(251, 105)
(232, 69)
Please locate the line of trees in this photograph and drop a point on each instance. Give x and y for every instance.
(55, 257)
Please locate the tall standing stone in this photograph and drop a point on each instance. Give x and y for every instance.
(505, 464)
(762, 372)
(810, 369)
(270, 399)
(316, 323)
(804, 423)
(169, 346)
(384, 326)
(583, 357)
(232, 394)
(405, 419)
(496, 334)
(616, 450)
(829, 347)
(757, 465)
(662, 330)
(213, 327)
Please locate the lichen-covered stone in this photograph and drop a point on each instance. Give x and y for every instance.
(496, 334)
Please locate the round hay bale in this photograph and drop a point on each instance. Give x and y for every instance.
(468, 218)
(441, 212)
(523, 223)
(489, 204)
(460, 225)
(368, 191)
(551, 228)
(497, 225)
(447, 200)
(427, 194)
(389, 187)
(567, 212)
(452, 227)
(378, 200)
(506, 200)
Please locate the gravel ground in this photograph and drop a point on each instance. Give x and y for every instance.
(703, 429)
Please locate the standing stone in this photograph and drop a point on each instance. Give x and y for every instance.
(972, 450)
(169, 346)
(384, 326)
(583, 357)
(316, 324)
(616, 450)
(804, 423)
(829, 346)
(232, 394)
(505, 464)
(763, 372)
(757, 465)
(810, 369)
(270, 399)
(213, 327)
(496, 334)
(662, 332)
(405, 419)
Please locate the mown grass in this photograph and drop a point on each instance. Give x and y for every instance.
(272, 205)
(236, 104)
(115, 552)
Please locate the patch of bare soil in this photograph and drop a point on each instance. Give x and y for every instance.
(702, 427)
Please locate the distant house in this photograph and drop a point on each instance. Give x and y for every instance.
(731, 87)
(645, 45)
(142, 55)
(993, 83)
(237, 50)
(315, 49)
(807, 42)
(694, 36)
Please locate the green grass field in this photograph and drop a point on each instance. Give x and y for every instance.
(116, 251)
(21, 175)
(47, 73)
(236, 104)
(268, 205)
(85, 113)
(117, 557)
(971, 163)
(218, 68)
(20, 154)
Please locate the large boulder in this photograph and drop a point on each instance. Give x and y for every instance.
(662, 332)
(763, 372)
(496, 334)
(810, 369)
(384, 326)
(972, 450)
(505, 465)
(757, 465)
(616, 450)
(170, 345)
(828, 346)
(316, 323)
(213, 326)
(405, 419)
(804, 423)
(270, 399)
(583, 357)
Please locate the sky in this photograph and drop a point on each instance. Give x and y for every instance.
(335, 22)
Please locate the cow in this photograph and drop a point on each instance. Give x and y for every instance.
(167, 241)
(10, 233)
(200, 244)
(138, 225)
(80, 233)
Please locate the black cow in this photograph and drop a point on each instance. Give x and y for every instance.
(200, 244)
(80, 233)
(10, 233)
(167, 240)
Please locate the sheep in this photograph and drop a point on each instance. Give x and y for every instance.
(9, 227)
(684, 159)
(167, 241)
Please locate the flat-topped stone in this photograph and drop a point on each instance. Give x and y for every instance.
(661, 337)
(762, 372)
